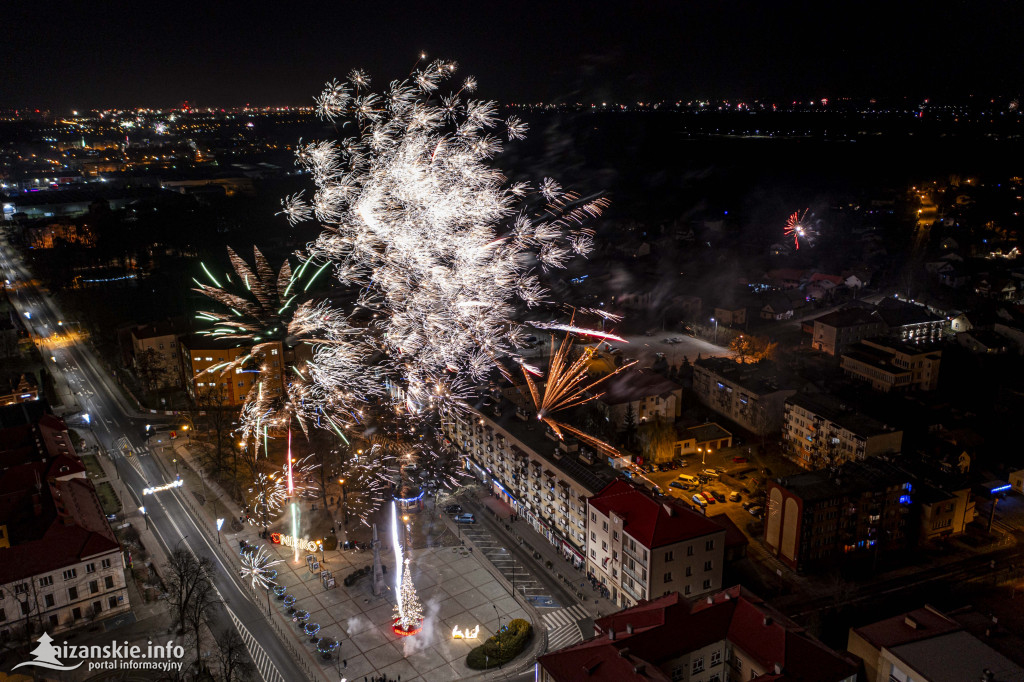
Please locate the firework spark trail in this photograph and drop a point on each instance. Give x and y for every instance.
(256, 566)
(798, 228)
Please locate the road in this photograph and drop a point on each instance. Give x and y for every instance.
(119, 431)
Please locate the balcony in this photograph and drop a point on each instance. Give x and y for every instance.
(630, 591)
(630, 553)
(631, 573)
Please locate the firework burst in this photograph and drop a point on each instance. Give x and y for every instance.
(799, 228)
(256, 567)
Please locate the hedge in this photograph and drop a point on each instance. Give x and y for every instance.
(502, 647)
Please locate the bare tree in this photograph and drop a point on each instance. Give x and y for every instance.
(219, 418)
(204, 597)
(188, 584)
(149, 367)
(233, 657)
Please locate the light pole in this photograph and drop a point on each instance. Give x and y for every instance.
(498, 634)
(175, 460)
(144, 516)
(716, 330)
(220, 522)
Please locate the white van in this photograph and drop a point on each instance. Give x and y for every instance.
(687, 478)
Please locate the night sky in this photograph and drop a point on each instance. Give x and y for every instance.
(65, 55)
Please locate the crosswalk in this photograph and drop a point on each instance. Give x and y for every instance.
(563, 626)
(268, 671)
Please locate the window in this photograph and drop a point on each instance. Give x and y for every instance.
(593, 554)
(3, 616)
(97, 608)
(615, 535)
(593, 536)
(70, 573)
(668, 556)
(94, 586)
(604, 526)
(707, 565)
(689, 571)
(593, 517)
(716, 657)
(686, 590)
(24, 607)
(207, 359)
(72, 593)
(709, 545)
(604, 545)
(48, 600)
(90, 568)
(668, 577)
(715, 678)
(108, 582)
(46, 581)
(21, 588)
(76, 613)
(678, 673)
(105, 563)
(698, 665)
(707, 585)
(738, 664)
(53, 622)
(112, 602)
(689, 550)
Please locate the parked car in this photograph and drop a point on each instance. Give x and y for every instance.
(734, 496)
(677, 484)
(713, 473)
(747, 505)
(465, 518)
(708, 496)
(453, 509)
(739, 460)
(664, 467)
(700, 501)
(718, 496)
(687, 478)
(756, 510)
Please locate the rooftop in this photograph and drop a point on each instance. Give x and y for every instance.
(162, 328)
(633, 385)
(848, 317)
(653, 523)
(759, 378)
(896, 313)
(839, 413)
(851, 478)
(907, 627)
(703, 433)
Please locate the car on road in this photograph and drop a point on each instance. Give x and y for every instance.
(739, 460)
(700, 500)
(677, 484)
(713, 473)
(465, 518)
(718, 496)
(453, 509)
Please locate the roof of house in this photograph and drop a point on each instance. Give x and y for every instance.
(760, 378)
(702, 433)
(956, 656)
(668, 628)
(651, 522)
(897, 313)
(847, 416)
(848, 317)
(907, 627)
(161, 328)
(821, 276)
(630, 386)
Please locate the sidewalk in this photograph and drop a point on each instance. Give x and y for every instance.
(575, 580)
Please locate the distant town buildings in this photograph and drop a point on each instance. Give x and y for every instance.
(647, 393)
(819, 430)
(893, 365)
(752, 395)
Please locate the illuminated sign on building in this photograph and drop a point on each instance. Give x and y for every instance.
(291, 541)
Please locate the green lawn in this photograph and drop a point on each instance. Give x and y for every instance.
(92, 466)
(108, 498)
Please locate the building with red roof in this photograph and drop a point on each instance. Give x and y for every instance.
(638, 546)
(732, 634)
(60, 563)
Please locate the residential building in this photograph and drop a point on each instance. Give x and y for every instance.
(546, 480)
(638, 547)
(984, 341)
(909, 321)
(730, 315)
(60, 564)
(820, 518)
(701, 438)
(18, 388)
(838, 330)
(889, 365)
(155, 353)
(648, 393)
(203, 359)
(750, 394)
(729, 635)
(819, 430)
(925, 645)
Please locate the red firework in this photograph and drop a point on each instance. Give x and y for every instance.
(795, 227)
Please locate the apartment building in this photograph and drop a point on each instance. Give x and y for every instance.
(820, 518)
(546, 480)
(752, 395)
(890, 365)
(649, 394)
(728, 635)
(910, 322)
(60, 564)
(204, 357)
(819, 430)
(156, 353)
(639, 547)
(835, 332)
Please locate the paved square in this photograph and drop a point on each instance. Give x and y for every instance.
(453, 585)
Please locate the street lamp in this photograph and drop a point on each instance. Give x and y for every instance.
(144, 516)
(498, 634)
(175, 460)
(220, 522)
(716, 330)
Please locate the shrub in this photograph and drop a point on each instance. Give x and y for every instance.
(502, 647)
(331, 543)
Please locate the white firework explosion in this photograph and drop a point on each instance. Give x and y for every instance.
(256, 567)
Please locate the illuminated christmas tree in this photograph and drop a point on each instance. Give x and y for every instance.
(408, 610)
